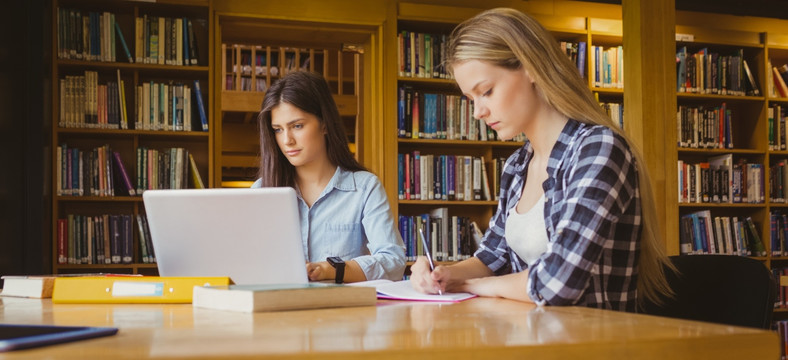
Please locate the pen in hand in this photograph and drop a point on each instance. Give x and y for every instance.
(427, 252)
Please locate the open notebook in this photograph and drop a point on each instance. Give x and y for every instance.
(403, 290)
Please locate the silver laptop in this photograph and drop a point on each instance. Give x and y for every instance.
(251, 235)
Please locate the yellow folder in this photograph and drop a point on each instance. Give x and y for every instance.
(130, 289)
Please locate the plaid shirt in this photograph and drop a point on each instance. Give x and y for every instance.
(592, 218)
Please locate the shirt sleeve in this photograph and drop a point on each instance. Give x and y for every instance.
(597, 189)
(493, 250)
(387, 251)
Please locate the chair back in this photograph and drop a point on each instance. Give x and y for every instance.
(726, 289)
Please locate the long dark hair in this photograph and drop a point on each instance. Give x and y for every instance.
(309, 92)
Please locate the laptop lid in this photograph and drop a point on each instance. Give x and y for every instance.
(251, 235)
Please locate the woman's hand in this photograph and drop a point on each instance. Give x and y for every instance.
(426, 281)
(510, 286)
(320, 271)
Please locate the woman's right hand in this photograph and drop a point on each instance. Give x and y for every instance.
(426, 281)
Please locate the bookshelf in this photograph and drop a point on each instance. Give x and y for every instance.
(248, 64)
(87, 116)
(579, 35)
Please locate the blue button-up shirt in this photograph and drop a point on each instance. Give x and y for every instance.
(352, 219)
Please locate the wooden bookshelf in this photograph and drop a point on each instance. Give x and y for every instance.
(124, 140)
(247, 65)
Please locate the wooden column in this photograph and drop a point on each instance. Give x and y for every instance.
(650, 101)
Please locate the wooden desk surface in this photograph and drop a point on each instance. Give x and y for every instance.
(478, 328)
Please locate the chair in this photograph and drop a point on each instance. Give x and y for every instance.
(733, 290)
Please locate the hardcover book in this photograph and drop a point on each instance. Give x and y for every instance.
(28, 286)
(281, 297)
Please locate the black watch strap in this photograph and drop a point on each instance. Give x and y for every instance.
(339, 265)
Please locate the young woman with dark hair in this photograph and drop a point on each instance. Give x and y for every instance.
(344, 209)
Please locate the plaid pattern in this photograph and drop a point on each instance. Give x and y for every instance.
(593, 220)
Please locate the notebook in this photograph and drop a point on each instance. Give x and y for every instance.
(251, 235)
(23, 336)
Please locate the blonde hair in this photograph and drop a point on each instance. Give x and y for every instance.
(513, 40)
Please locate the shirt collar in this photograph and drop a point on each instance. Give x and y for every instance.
(561, 145)
(342, 180)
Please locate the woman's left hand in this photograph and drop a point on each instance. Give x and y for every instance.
(319, 271)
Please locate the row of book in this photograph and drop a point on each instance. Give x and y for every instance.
(422, 55)
(782, 326)
(424, 115)
(705, 127)
(446, 177)
(576, 51)
(170, 168)
(720, 180)
(778, 132)
(778, 182)
(607, 66)
(101, 172)
(86, 103)
(778, 233)
(450, 238)
(781, 300)
(169, 107)
(706, 72)
(777, 81)
(158, 40)
(87, 36)
(615, 111)
(700, 233)
(97, 172)
(163, 40)
(102, 239)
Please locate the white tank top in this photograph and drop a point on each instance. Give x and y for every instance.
(526, 233)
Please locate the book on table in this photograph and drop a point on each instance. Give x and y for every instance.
(281, 297)
(28, 286)
(40, 286)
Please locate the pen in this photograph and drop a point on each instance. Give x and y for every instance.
(427, 252)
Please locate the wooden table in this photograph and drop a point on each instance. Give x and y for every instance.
(481, 328)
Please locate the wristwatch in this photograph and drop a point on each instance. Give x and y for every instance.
(339, 265)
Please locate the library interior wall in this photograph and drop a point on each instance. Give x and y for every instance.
(23, 137)
(24, 134)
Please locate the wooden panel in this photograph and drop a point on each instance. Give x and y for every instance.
(719, 36)
(562, 23)
(776, 39)
(251, 101)
(435, 13)
(650, 102)
(606, 26)
(240, 137)
(245, 161)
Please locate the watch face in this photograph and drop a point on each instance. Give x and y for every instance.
(335, 260)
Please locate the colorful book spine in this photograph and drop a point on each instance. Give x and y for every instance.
(124, 175)
(200, 105)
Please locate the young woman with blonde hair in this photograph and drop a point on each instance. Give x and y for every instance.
(576, 222)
